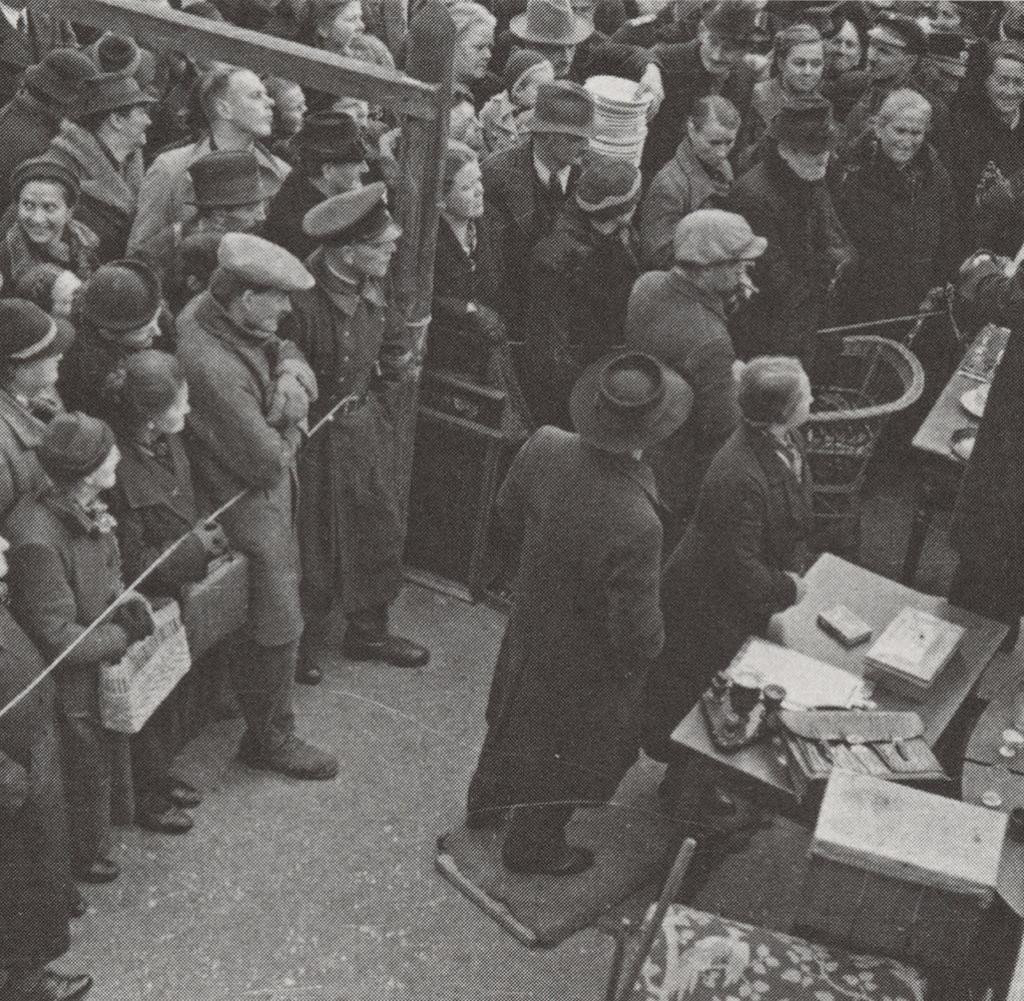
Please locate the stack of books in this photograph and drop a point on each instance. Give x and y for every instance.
(911, 652)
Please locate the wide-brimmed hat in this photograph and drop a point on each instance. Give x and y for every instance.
(714, 236)
(550, 22)
(331, 136)
(109, 92)
(60, 75)
(563, 108)
(226, 178)
(628, 401)
(805, 123)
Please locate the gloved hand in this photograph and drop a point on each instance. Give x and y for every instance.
(302, 371)
(486, 324)
(289, 406)
(212, 538)
(134, 617)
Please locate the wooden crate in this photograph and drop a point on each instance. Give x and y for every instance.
(901, 872)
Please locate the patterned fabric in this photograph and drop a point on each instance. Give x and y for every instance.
(701, 957)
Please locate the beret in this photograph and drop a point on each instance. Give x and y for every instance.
(264, 264)
(358, 216)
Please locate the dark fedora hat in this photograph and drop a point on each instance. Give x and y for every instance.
(226, 178)
(331, 136)
(627, 401)
(109, 92)
(59, 76)
(550, 22)
(563, 108)
(738, 21)
(805, 123)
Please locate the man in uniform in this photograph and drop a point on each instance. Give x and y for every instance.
(244, 440)
(350, 523)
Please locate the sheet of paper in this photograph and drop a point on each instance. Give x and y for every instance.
(808, 682)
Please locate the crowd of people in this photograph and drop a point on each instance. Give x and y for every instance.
(195, 265)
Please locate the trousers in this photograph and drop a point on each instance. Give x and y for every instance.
(264, 681)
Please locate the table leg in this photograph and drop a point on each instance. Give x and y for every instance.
(924, 512)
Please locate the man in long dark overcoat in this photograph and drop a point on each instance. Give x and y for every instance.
(563, 714)
(351, 532)
(242, 441)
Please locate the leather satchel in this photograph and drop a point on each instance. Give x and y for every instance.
(887, 745)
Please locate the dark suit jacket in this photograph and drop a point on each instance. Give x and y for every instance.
(18, 52)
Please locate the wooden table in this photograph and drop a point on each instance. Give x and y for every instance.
(941, 470)
(877, 600)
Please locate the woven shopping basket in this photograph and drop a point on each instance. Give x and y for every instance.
(132, 689)
(217, 606)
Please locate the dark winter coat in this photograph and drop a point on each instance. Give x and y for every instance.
(109, 197)
(78, 253)
(28, 127)
(806, 243)
(18, 52)
(33, 836)
(903, 225)
(728, 576)
(518, 213)
(586, 623)
(350, 523)
(988, 523)
(21, 431)
(685, 79)
(579, 286)
(231, 379)
(155, 505)
(682, 186)
(685, 327)
(297, 195)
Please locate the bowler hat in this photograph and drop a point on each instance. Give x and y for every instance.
(262, 263)
(359, 216)
(607, 186)
(109, 92)
(563, 108)
(59, 76)
(152, 381)
(28, 333)
(550, 22)
(805, 123)
(73, 446)
(906, 29)
(331, 136)
(629, 401)
(226, 178)
(121, 296)
(738, 21)
(713, 236)
(43, 168)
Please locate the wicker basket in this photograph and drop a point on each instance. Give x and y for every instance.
(131, 689)
(876, 378)
(217, 606)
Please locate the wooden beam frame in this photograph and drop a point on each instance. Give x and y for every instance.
(207, 39)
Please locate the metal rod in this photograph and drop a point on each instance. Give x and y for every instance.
(888, 322)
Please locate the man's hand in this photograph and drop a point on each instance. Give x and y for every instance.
(289, 406)
(212, 538)
(134, 617)
(651, 84)
(302, 371)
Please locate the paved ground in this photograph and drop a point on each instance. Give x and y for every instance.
(322, 892)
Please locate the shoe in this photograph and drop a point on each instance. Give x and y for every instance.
(101, 870)
(394, 650)
(78, 906)
(486, 817)
(180, 793)
(164, 817)
(49, 986)
(571, 860)
(307, 672)
(295, 758)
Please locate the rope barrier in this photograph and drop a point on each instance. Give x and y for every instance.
(130, 591)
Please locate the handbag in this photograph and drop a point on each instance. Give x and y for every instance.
(887, 745)
(131, 690)
(217, 606)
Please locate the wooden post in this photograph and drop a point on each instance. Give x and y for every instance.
(432, 39)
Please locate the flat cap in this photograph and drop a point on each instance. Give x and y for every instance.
(359, 216)
(713, 236)
(263, 263)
